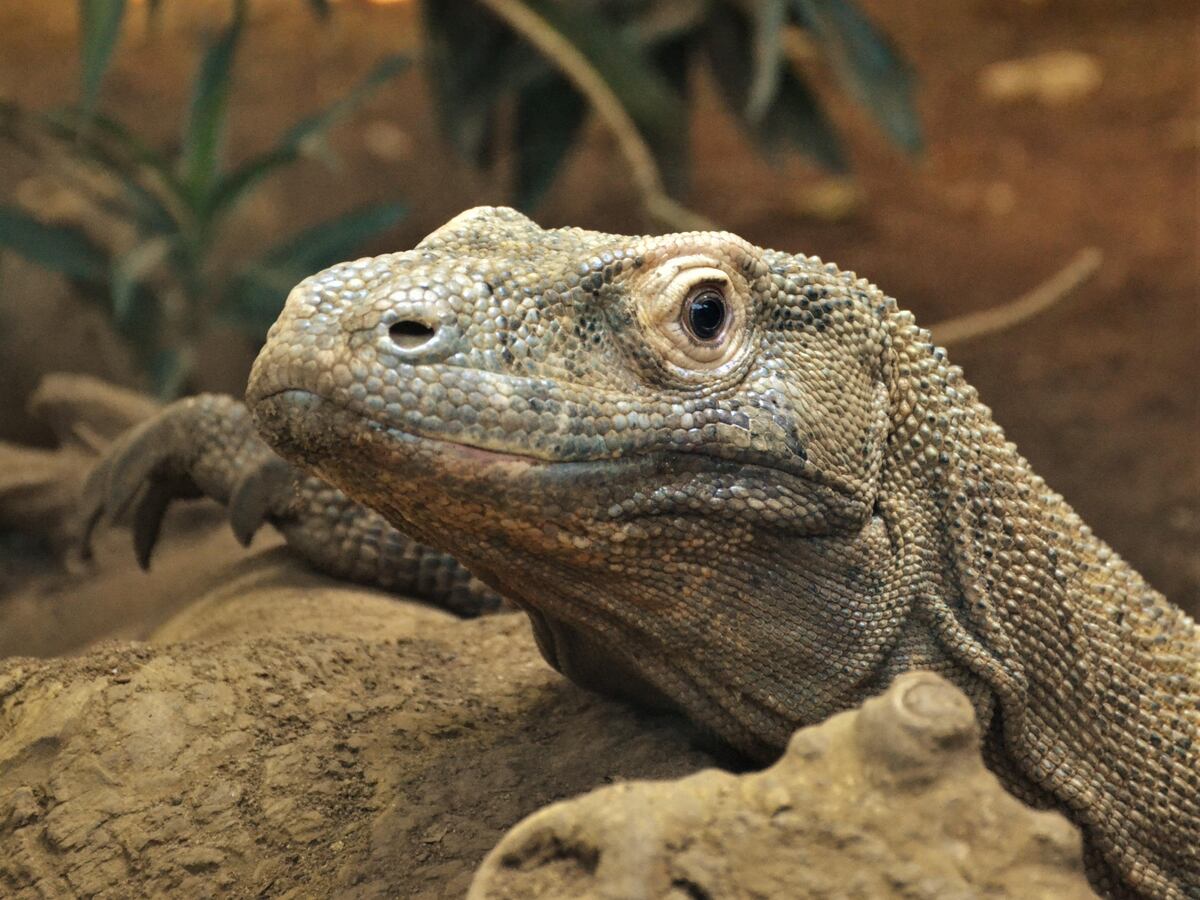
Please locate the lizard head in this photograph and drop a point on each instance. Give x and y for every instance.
(642, 441)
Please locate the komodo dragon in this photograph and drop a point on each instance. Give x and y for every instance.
(734, 481)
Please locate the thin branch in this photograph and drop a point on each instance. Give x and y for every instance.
(1050, 292)
(575, 66)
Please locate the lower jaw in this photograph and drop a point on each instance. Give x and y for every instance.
(323, 436)
(450, 495)
(458, 497)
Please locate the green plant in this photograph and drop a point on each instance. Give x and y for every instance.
(630, 60)
(153, 271)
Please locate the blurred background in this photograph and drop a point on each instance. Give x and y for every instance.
(170, 168)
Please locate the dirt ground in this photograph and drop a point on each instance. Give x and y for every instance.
(1100, 394)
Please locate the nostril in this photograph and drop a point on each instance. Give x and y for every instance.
(409, 335)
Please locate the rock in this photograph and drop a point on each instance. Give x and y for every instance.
(289, 733)
(88, 412)
(891, 800)
(38, 488)
(20, 808)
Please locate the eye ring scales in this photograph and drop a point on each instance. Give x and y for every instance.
(705, 313)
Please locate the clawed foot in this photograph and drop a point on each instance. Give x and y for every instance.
(202, 446)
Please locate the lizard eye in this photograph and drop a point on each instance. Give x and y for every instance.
(704, 313)
(694, 313)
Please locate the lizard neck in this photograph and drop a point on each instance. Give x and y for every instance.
(1095, 677)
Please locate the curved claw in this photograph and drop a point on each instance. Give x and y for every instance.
(146, 454)
(256, 495)
(139, 476)
(149, 509)
(91, 505)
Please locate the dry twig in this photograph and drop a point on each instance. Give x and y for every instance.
(575, 66)
(1050, 292)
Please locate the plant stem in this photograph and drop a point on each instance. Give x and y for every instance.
(575, 66)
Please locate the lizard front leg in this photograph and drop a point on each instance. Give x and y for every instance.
(206, 446)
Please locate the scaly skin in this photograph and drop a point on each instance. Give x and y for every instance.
(761, 526)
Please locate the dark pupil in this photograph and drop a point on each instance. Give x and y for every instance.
(706, 315)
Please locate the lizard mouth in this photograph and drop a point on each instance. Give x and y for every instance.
(301, 422)
(377, 460)
(454, 495)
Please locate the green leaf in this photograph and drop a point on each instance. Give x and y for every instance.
(253, 299)
(167, 372)
(549, 114)
(389, 67)
(793, 120)
(473, 60)
(151, 189)
(157, 195)
(333, 240)
(141, 325)
(646, 95)
(206, 115)
(59, 248)
(238, 183)
(769, 18)
(233, 187)
(100, 27)
(673, 59)
(133, 147)
(130, 270)
(867, 64)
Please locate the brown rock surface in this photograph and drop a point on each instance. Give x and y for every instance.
(890, 800)
(297, 737)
